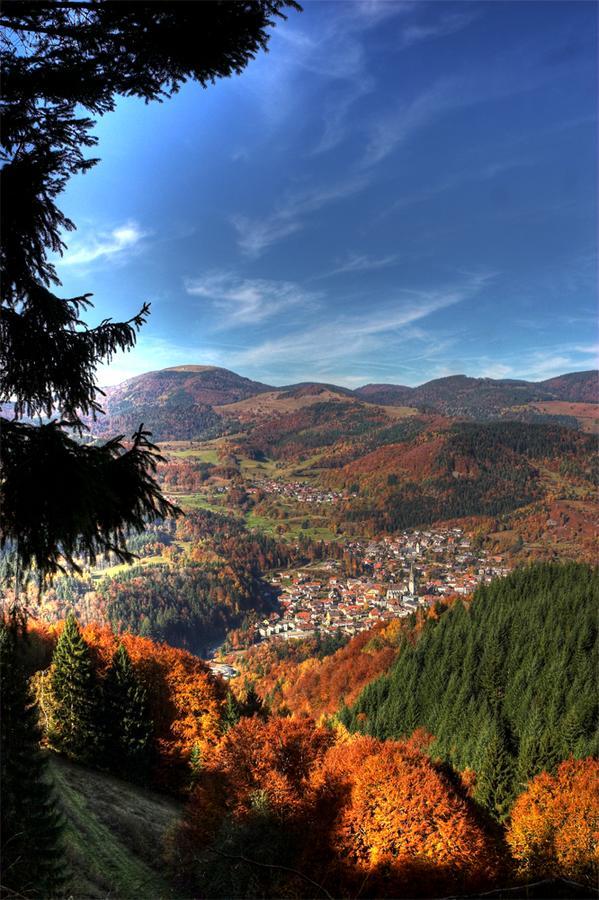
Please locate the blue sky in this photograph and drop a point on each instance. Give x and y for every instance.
(397, 191)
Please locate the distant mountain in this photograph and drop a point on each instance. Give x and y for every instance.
(577, 387)
(314, 389)
(191, 401)
(482, 398)
(387, 394)
(175, 403)
(206, 385)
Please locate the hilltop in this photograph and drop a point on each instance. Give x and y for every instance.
(481, 398)
(195, 401)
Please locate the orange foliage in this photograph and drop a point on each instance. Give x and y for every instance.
(320, 686)
(256, 761)
(402, 822)
(185, 699)
(554, 828)
(364, 816)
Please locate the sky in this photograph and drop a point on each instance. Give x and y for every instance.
(396, 192)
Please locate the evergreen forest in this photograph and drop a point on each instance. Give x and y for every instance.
(502, 681)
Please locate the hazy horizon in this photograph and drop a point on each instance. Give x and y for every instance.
(199, 366)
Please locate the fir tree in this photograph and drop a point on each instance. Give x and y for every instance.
(252, 705)
(127, 724)
(30, 846)
(62, 63)
(196, 763)
(495, 770)
(75, 727)
(231, 713)
(529, 756)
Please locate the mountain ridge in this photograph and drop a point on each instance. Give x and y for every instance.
(194, 401)
(557, 384)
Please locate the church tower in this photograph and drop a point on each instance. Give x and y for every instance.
(413, 582)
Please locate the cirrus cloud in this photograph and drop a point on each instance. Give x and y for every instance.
(104, 245)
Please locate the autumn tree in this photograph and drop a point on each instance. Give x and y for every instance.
(554, 826)
(184, 700)
(31, 826)
(403, 824)
(245, 827)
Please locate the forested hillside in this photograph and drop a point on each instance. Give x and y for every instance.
(464, 469)
(193, 401)
(476, 770)
(502, 681)
(193, 582)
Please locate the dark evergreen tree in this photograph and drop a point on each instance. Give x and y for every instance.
(530, 761)
(31, 824)
(252, 705)
(232, 712)
(63, 62)
(127, 725)
(495, 771)
(77, 718)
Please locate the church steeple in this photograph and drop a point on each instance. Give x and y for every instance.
(413, 581)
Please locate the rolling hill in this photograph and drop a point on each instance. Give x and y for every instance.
(192, 401)
(176, 403)
(483, 398)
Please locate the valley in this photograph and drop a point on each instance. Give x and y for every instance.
(313, 485)
(299, 440)
(332, 560)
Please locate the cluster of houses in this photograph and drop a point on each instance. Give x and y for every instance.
(403, 573)
(296, 490)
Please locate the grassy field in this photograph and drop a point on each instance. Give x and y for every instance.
(119, 568)
(318, 529)
(200, 454)
(114, 834)
(198, 501)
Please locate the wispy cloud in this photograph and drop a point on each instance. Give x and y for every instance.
(445, 25)
(358, 262)
(256, 234)
(486, 172)
(388, 131)
(535, 364)
(367, 13)
(517, 71)
(349, 337)
(104, 245)
(248, 300)
(336, 110)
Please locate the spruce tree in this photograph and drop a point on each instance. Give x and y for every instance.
(529, 756)
(62, 63)
(231, 713)
(252, 704)
(196, 763)
(30, 843)
(76, 725)
(495, 771)
(128, 728)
